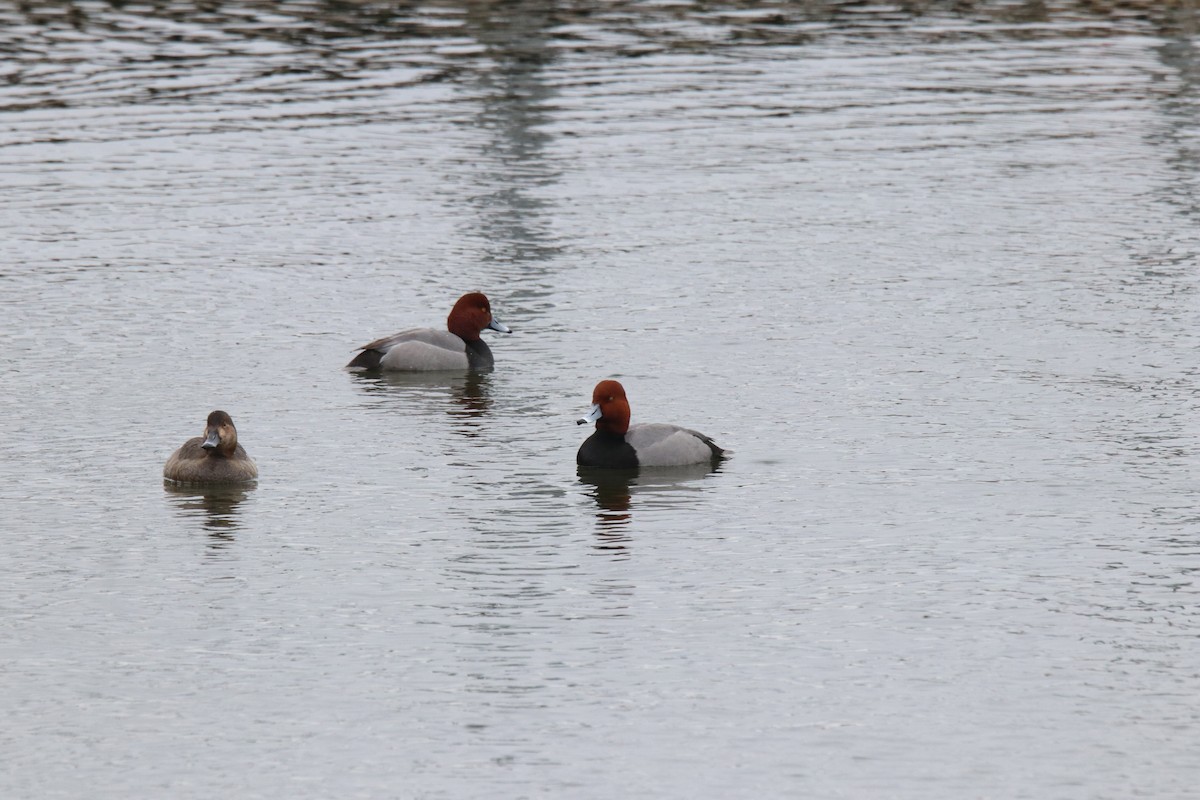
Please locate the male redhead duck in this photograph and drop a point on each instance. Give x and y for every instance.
(428, 349)
(618, 444)
(215, 457)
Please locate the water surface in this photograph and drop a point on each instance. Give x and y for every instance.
(930, 274)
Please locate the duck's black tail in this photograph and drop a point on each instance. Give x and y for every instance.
(367, 359)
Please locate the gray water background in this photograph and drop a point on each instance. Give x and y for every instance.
(929, 270)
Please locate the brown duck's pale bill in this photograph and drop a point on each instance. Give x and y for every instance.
(497, 325)
(211, 440)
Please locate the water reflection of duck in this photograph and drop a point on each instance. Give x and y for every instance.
(465, 397)
(614, 491)
(473, 395)
(217, 503)
(617, 444)
(214, 458)
(610, 489)
(428, 349)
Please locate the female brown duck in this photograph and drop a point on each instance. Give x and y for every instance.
(215, 457)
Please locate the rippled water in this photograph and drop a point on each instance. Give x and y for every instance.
(929, 271)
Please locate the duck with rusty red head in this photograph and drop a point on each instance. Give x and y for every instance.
(459, 347)
(618, 444)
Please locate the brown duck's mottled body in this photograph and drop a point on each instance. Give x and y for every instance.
(215, 457)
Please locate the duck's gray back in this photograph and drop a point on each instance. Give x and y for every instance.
(661, 445)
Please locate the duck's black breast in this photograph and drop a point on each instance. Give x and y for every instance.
(603, 449)
(479, 355)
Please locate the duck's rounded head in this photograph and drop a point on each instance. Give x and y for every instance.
(470, 315)
(219, 434)
(610, 408)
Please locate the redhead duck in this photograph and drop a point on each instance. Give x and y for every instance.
(618, 444)
(215, 457)
(428, 349)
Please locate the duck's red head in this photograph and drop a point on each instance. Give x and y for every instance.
(470, 315)
(610, 409)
